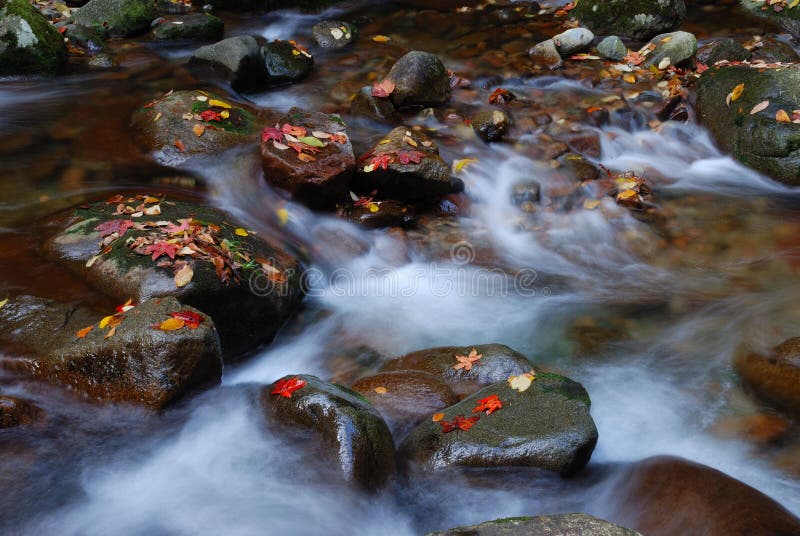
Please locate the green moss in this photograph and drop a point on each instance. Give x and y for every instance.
(240, 121)
(511, 519)
(43, 57)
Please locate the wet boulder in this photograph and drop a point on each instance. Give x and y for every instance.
(771, 49)
(236, 60)
(788, 19)
(366, 105)
(18, 412)
(333, 34)
(555, 525)
(547, 425)
(285, 62)
(639, 19)
(192, 123)
(309, 155)
(775, 377)
(405, 397)
(573, 40)
(724, 48)
(341, 422)
(546, 54)
(612, 48)
(378, 214)
(497, 363)
(127, 360)
(405, 165)
(758, 140)
(665, 495)
(675, 48)
(420, 78)
(142, 247)
(490, 125)
(199, 26)
(117, 18)
(29, 44)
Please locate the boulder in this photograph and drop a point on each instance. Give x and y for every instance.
(236, 60)
(555, 525)
(405, 165)
(612, 48)
(316, 164)
(775, 377)
(788, 19)
(117, 18)
(547, 426)
(18, 412)
(341, 422)
(497, 363)
(248, 285)
(420, 79)
(127, 360)
(490, 125)
(724, 48)
(169, 126)
(664, 496)
(200, 26)
(546, 54)
(676, 47)
(378, 214)
(365, 105)
(757, 140)
(405, 397)
(285, 62)
(771, 49)
(333, 33)
(638, 19)
(29, 44)
(573, 40)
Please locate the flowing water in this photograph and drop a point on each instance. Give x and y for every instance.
(676, 311)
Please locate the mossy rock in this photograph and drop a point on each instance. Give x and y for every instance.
(637, 19)
(29, 44)
(200, 26)
(788, 19)
(117, 18)
(554, 525)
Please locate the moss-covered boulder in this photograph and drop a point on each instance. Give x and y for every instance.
(29, 44)
(637, 19)
(156, 247)
(198, 26)
(788, 19)
(192, 123)
(113, 357)
(547, 425)
(117, 18)
(496, 364)
(555, 525)
(758, 140)
(677, 48)
(339, 422)
(775, 377)
(720, 49)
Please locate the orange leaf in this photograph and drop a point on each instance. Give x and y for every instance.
(437, 417)
(490, 404)
(180, 146)
(285, 387)
(466, 362)
(198, 130)
(81, 333)
(782, 117)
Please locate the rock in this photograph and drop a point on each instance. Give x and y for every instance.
(405, 397)
(322, 181)
(666, 496)
(676, 47)
(375, 108)
(83, 36)
(555, 525)
(525, 195)
(490, 125)
(248, 308)
(774, 377)
(342, 422)
(285, 63)
(161, 123)
(201, 26)
(425, 175)
(420, 78)
(612, 48)
(546, 54)
(546, 426)
(387, 213)
(497, 364)
(573, 40)
(17, 412)
(117, 18)
(757, 140)
(756, 428)
(138, 364)
(788, 19)
(333, 33)
(722, 49)
(772, 50)
(237, 60)
(638, 19)
(29, 44)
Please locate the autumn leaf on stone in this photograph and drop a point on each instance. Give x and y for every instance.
(782, 117)
(292, 130)
(178, 229)
(501, 96)
(170, 324)
(465, 362)
(81, 333)
(210, 115)
(286, 387)
(161, 247)
(458, 423)
(339, 138)
(3, 303)
(183, 276)
(271, 133)
(489, 405)
(125, 307)
(383, 89)
(734, 94)
(759, 107)
(522, 382)
(110, 227)
(190, 319)
(408, 157)
(381, 161)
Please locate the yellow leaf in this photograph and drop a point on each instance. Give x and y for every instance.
(104, 322)
(459, 165)
(793, 4)
(3, 302)
(380, 390)
(626, 194)
(198, 130)
(629, 78)
(782, 117)
(283, 216)
(380, 39)
(157, 117)
(735, 94)
(218, 103)
(522, 382)
(241, 232)
(437, 417)
(171, 324)
(373, 207)
(591, 204)
(183, 276)
(225, 114)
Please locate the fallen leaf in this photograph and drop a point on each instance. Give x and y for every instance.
(190, 319)
(161, 248)
(125, 307)
(465, 362)
(157, 117)
(283, 216)
(408, 157)
(383, 89)
(735, 94)
(218, 103)
(759, 107)
(105, 321)
(285, 387)
(3, 302)
(312, 141)
(183, 276)
(459, 423)
(501, 96)
(489, 405)
(180, 146)
(271, 133)
(110, 227)
(522, 382)
(241, 232)
(380, 390)
(664, 63)
(459, 165)
(198, 130)
(782, 117)
(111, 332)
(591, 204)
(81, 333)
(92, 260)
(337, 33)
(380, 39)
(305, 157)
(437, 417)
(171, 324)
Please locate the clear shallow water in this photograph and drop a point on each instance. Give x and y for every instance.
(211, 466)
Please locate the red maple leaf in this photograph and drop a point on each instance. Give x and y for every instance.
(113, 226)
(339, 138)
(161, 248)
(297, 132)
(501, 96)
(490, 404)
(191, 319)
(459, 423)
(285, 387)
(271, 133)
(381, 161)
(177, 229)
(407, 157)
(125, 307)
(382, 89)
(210, 115)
